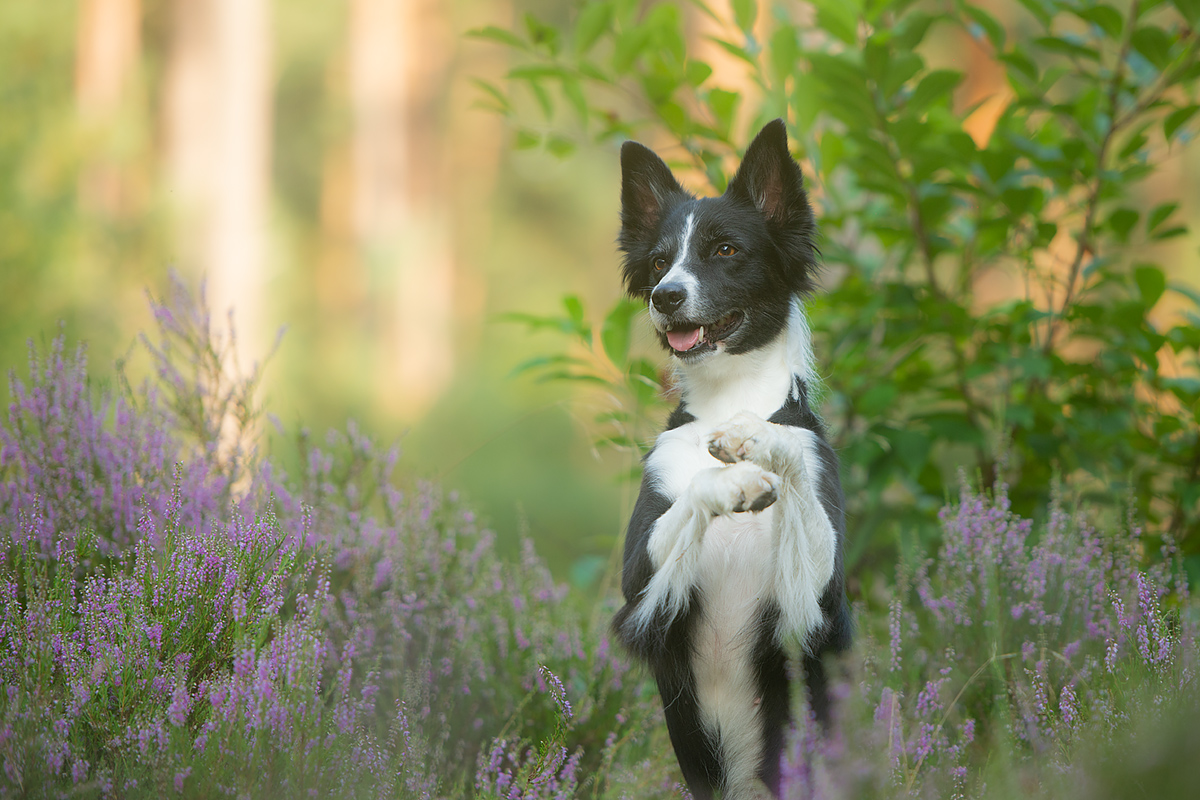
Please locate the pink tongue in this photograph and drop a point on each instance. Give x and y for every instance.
(683, 340)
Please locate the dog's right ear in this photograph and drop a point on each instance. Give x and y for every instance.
(647, 189)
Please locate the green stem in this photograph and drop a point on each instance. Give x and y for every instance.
(1084, 240)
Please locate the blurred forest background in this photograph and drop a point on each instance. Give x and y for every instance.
(326, 167)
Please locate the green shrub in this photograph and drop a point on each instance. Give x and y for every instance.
(1067, 369)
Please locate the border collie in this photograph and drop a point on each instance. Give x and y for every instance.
(733, 558)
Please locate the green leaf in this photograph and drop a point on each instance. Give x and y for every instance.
(1066, 47)
(573, 91)
(495, 93)
(838, 18)
(541, 362)
(630, 45)
(593, 21)
(1151, 283)
(541, 33)
(1039, 10)
(991, 27)
(1121, 222)
(937, 84)
(697, 72)
(1177, 119)
(911, 447)
(876, 400)
(734, 50)
(744, 13)
(902, 67)
(527, 139)
(1022, 63)
(723, 104)
(1045, 233)
(560, 146)
(495, 34)
(1136, 142)
(537, 72)
(1154, 44)
(542, 96)
(615, 332)
(574, 307)
(910, 30)
(665, 22)
(1170, 233)
(1021, 199)
(1159, 215)
(1190, 10)
(782, 53)
(566, 375)
(1107, 18)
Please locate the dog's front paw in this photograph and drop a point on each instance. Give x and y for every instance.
(740, 487)
(743, 438)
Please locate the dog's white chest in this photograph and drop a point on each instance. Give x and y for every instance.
(735, 579)
(735, 576)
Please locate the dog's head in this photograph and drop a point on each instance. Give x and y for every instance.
(719, 272)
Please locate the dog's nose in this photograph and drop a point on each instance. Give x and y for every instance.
(667, 297)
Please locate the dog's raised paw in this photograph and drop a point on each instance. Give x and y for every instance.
(753, 488)
(739, 439)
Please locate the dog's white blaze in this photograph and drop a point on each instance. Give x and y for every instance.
(678, 273)
(689, 228)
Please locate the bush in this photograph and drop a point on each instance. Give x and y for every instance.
(922, 202)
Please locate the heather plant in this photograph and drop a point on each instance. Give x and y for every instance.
(1013, 656)
(256, 633)
(210, 399)
(73, 458)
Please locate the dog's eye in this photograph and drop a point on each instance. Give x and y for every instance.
(660, 264)
(726, 250)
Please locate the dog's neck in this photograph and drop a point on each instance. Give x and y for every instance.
(759, 381)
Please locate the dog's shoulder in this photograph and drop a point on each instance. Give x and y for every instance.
(797, 413)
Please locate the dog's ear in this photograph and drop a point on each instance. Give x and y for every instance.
(647, 188)
(770, 178)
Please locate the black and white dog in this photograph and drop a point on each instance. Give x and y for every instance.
(733, 557)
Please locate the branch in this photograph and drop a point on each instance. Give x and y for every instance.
(1084, 242)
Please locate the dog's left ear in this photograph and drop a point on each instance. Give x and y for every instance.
(770, 178)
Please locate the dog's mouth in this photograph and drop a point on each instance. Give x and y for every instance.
(686, 340)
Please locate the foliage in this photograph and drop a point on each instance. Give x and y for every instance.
(926, 208)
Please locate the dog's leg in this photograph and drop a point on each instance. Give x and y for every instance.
(675, 539)
(695, 748)
(807, 544)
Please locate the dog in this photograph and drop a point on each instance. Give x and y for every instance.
(734, 551)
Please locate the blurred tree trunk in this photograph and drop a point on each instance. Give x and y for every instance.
(398, 53)
(217, 109)
(108, 45)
